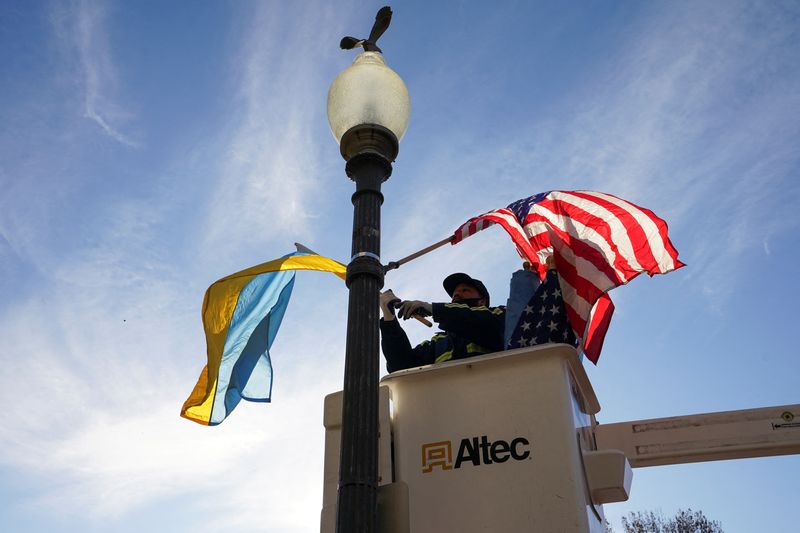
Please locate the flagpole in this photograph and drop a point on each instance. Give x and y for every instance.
(397, 264)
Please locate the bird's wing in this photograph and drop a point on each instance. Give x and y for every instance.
(382, 20)
(348, 43)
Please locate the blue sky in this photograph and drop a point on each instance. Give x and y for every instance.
(148, 149)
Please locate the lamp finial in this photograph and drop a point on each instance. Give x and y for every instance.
(382, 20)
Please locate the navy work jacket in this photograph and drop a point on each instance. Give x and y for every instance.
(467, 332)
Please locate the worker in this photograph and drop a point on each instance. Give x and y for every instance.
(469, 326)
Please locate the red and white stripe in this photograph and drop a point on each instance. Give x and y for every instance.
(599, 242)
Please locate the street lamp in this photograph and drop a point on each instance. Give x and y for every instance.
(368, 109)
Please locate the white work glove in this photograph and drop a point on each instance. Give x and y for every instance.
(410, 308)
(387, 302)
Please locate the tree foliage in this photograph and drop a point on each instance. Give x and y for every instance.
(685, 521)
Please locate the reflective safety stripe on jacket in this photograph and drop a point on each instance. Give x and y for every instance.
(472, 350)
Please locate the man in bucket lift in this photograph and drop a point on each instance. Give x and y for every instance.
(470, 327)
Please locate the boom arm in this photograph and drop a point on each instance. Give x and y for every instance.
(705, 437)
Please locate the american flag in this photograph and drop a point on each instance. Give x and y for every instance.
(599, 242)
(544, 318)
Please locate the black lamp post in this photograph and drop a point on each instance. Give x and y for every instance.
(368, 109)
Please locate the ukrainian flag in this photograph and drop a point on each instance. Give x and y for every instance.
(241, 316)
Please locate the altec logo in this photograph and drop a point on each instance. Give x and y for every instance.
(475, 450)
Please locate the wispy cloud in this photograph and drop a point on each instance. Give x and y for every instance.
(120, 447)
(88, 33)
(269, 169)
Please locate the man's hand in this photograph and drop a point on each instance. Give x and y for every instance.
(387, 302)
(410, 308)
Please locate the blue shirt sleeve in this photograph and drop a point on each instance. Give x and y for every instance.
(523, 284)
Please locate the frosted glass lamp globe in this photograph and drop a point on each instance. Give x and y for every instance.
(368, 92)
